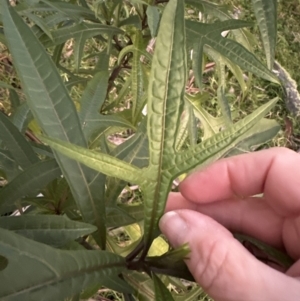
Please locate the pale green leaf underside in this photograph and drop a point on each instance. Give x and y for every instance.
(104, 163)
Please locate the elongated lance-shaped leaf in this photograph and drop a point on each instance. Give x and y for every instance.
(80, 32)
(56, 114)
(161, 292)
(165, 105)
(8, 165)
(66, 9)
(52, 230)
(92, 99)
(211, 125)
(29, 182)
(260, 133)
(210, 34)
(135, 151)
(57, 273)
(19, 147)
(101, 162)
(266, 16)
(217, 146)
(137, 77)
(21, 117)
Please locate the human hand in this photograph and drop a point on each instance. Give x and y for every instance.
(220, 197)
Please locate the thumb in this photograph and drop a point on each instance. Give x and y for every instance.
(221, 265)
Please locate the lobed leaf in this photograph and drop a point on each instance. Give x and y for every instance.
(165, 106)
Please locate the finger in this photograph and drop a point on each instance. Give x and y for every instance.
(250, 216)
(274, 172)
(221, 265)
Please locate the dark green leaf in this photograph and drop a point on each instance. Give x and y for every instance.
(57, 273)
(29, 182)
(48, 229)
(161, 292)
(18, 146)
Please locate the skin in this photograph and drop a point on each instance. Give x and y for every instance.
(219, 199)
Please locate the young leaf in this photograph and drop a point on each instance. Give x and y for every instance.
(57, 273)
(52, 230)
(266, 16)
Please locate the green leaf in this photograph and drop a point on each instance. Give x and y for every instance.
(57, 273)
(274, 254)
(55, 113)
(137, 84)
(210, 34)
(21, 117)
(211, 125)
(29, 182)
(52, 230)
(8, 165)
(80, 33)
(266, 16)
(165, 106)
(153, 17)
(261, 133)
(91, 102)
(18, 146)
(104, 163)
(142, 284)
(161, 292)
(3, 263)
(135, 151)
(217, 146)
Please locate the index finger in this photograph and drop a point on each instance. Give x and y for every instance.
(274, 172)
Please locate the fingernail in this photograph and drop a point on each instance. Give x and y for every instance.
(174, 227)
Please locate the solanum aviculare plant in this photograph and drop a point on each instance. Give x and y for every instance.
(91, 174)
(165, 105)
